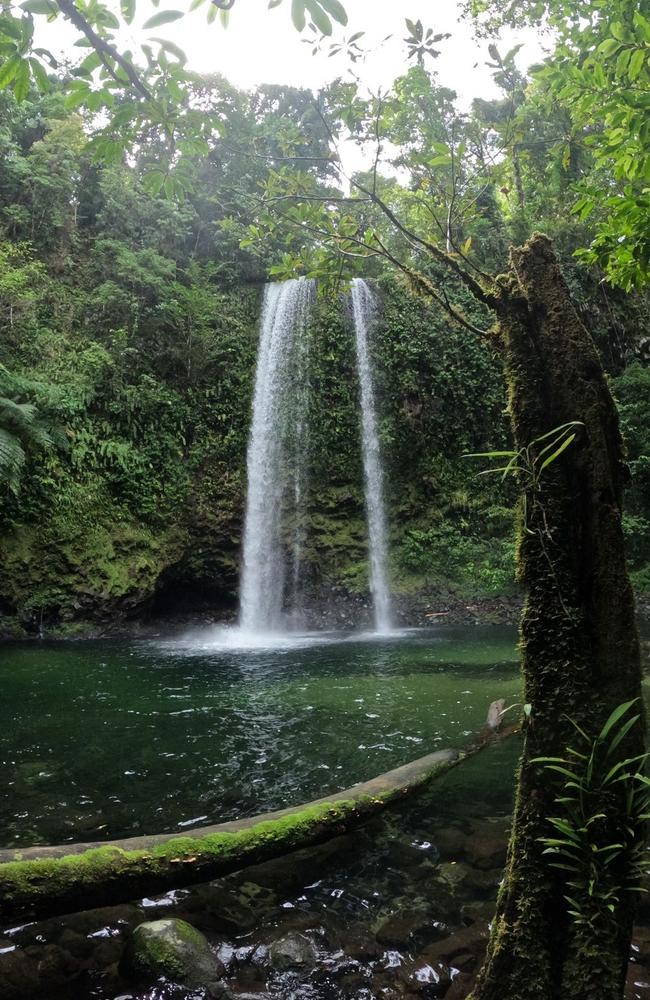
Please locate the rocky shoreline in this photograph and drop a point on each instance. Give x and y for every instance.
(399, 909)
(337, 610)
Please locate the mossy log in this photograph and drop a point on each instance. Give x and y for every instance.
(579, 645)
(40, 882)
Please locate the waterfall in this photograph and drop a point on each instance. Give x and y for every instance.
(363, 307)
(276, 451)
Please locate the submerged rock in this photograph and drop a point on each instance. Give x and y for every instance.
(292, 951)
(174, 949)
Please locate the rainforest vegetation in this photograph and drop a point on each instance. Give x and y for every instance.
(129, 325)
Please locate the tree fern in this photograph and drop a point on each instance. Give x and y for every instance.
(12, 459)
(22, 429)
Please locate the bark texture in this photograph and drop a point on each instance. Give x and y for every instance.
(579, 646)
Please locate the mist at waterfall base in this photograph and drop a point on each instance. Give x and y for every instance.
(271, 582)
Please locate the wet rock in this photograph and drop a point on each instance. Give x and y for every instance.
(400, 928)
(260, 955)
(449, 840)
(428, 980)
(296, 920)
(54, 966)
(472, 940)
(226, 954)
(174, 949)
(463, 878)
(641, 945)
(465, 961)
(105, 954)
(477, 909)
(359, 944)
(485, 881)
(461, 987)
(230, 994)
(406, 856)
(353, 984)
(455, 874)
(486, 847)
(637, 984)
(412, 919)
(18, 976)
(292, 951)
(76, 944)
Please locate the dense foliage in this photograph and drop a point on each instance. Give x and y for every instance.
(129, 323)
(129, 327)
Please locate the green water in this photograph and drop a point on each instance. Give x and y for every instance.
(105, 739)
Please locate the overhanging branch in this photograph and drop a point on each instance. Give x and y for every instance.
(106, 52)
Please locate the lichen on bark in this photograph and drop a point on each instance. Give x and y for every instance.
(578, 640)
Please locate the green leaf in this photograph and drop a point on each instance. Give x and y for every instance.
(556, 430)
(171, 47)
(642, 24)
(491, 454)
(298, 14)
(39, 74)
(127, 8)
(558, 451)
(609, 46)
(622, 62)
(21, 81)
(8, 71)
(621, 734)
(336, 9)
(40, 7)
(90, 64)
(636, 64)
(617, 714)
(439, 161)
(153, 181)
(319, 17)
(77, 96)
(164, 17)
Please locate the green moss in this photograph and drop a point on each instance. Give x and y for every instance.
(110, 873)
(25, 884)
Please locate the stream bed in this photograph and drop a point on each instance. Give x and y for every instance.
(399, 908)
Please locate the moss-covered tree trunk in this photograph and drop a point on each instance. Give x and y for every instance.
(579, 644)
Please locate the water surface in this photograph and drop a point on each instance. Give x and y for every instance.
(104, 739)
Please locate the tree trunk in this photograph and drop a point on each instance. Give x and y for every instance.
(579, 646)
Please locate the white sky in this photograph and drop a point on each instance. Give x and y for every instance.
(261, 45)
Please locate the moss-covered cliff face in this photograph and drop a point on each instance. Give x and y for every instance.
(131, 323)
(141, 509)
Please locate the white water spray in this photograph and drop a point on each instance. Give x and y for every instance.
(270, 471)
(363, 307)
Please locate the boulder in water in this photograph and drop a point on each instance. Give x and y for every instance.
(292, 951)
(174, 949)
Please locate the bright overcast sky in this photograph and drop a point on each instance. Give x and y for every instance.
(261, 45)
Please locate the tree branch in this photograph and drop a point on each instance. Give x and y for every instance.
(439, 255)
(419, 282)
(104, 49)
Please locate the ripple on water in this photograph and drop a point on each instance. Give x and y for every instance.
(108, 732)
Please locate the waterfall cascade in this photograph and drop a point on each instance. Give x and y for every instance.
(364, 310)
(277, 460)
(275, 454)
